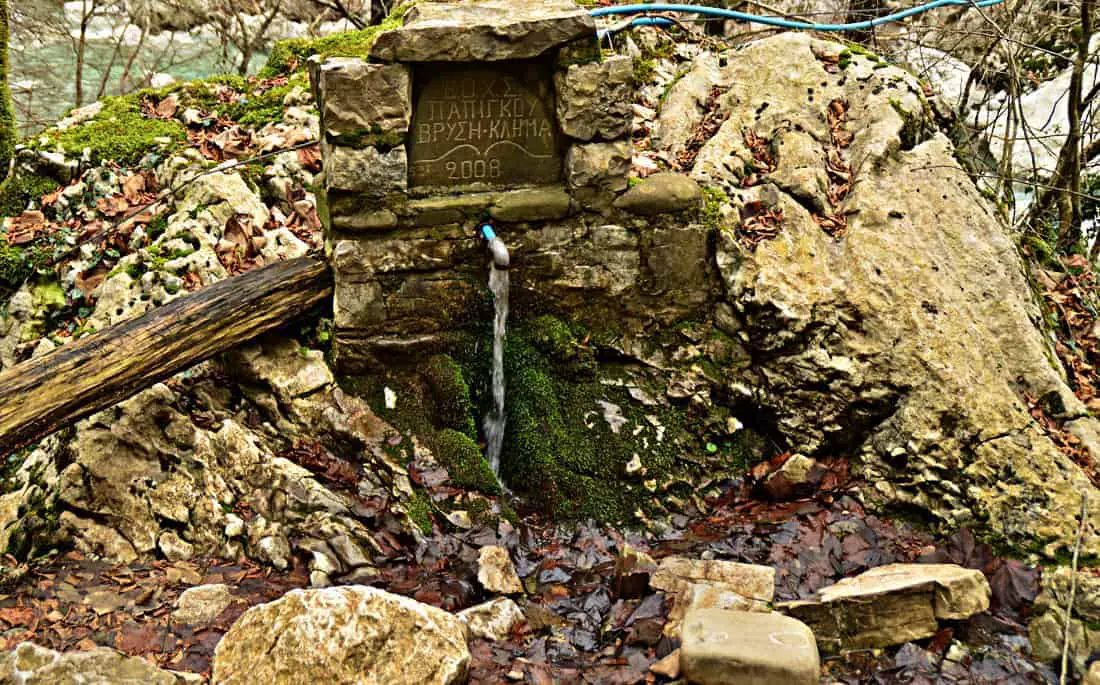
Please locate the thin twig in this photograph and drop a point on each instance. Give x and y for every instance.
(1073, 583)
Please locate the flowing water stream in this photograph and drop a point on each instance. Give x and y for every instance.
(494, 420)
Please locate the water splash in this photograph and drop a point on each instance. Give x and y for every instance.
(493, 425)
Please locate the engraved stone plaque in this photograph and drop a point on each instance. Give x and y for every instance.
(483, 126)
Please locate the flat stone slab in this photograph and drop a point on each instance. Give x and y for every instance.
(891, 605)
(712, 584)
(488, 31)
(748, 648)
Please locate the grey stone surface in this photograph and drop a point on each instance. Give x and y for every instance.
(201, 604)
(358, 304)
(368, 170)
(370, 101)
(596, 172)
(721, 647)
(491, 30)
(369, 221)
(596, 101)
(536, 204)
(664, 192)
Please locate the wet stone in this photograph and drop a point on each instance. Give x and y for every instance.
(483, 126)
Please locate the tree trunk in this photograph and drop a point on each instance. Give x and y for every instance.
(49, 392)
(7, 114)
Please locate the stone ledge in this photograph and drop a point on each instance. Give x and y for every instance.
(488, 31)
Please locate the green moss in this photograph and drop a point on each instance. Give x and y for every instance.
(583, 51)
(7, 112)
(560, 446)
(119, 132)
(710, 213)
(644, 70)
(419, 509)
(454, 408)
(14, 267)
(48, 294)
(464, 462)
(24, 189)
(260, 107)
(288, 56)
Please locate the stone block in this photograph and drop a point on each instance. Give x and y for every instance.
(712, 583)
(486, 31)
(421, 251)
(596, 101)
(536, 204)
(364, 103)
(597, 172)
(368, 221)
(358, 305)
(449, 209)
(721, 647)
(661, 193)
(891, 605)
(370, 171)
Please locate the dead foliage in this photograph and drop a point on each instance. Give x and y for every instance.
(712, 121)
(759, 222)
(839, 170)
(763, 161)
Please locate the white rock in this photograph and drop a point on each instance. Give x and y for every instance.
(353, 634)
(492, 620)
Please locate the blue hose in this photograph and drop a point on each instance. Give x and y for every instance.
(775, 21)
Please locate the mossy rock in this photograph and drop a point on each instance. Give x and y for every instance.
(561, 449)
(419, 509)
(23, 190)
(288, 56)
(464, 462)
(14, 267)
(448, 387)
(120, 132)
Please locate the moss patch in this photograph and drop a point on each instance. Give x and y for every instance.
(288, 56)
(14, 267)
(571, 432)
(24, 189)
(419, 509)
(451, 394)
(464, 462)
(120, 132)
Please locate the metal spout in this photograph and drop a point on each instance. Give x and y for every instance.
(496, 246)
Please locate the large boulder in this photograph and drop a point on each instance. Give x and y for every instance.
(881, 303)
(354, 634)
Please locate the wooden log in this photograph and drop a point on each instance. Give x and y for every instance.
(49, 392)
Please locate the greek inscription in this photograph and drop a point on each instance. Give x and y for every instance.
(481, 125)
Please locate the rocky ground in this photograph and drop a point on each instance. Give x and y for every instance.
(153, 527)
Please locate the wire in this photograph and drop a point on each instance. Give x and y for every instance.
(769, 21)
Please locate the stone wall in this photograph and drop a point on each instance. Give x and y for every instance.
(468, 113)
